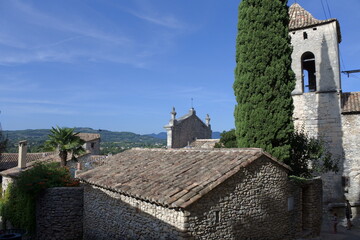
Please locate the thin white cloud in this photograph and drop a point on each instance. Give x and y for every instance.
(166, 21)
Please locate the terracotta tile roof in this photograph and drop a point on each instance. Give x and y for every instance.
(10, 160)
(173, 178)
(300, 18)
(350, 102)
(204, 143)
(88, 136)
(15, 171)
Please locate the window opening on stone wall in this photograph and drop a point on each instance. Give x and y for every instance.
(92, 145)
(345, 181)
(314, 28)
(290, 203)
(217, 216)
(308, 72)
(305, 35)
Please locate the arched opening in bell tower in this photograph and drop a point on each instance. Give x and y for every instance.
(308, 72)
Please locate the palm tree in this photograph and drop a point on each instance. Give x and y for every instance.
(65, 141)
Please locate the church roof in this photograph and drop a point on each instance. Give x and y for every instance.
(173, 178)
(350, 102)
(300, 19)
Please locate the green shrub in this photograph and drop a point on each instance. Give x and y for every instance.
(18, 204)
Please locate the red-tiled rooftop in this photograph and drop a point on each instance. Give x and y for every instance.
(174, 178)
(350, 102)
(10, 160)
(300, 18)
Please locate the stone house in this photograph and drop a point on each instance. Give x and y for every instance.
(321, 108)
(92, 142)
(197, 194)
(183, 131)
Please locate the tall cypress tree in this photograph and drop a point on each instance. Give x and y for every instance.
(263, 77)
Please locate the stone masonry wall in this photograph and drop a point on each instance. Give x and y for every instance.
(318, 114)
(59, 214)
(109, 215)
(312, 206)
(252, 204)
(188, 130)
(351, 131)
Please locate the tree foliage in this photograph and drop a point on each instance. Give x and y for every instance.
(263, 77)
(65, 141)
(309, 156)
(227, 140)
(18, 204)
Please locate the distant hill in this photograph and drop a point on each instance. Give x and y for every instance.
(163, 135)
(216, 135)
(110, 141)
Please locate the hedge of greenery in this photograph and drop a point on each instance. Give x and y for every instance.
(18, 204)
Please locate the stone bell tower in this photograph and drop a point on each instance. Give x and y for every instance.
(317, 94)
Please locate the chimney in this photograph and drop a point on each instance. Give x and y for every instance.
(22, 154)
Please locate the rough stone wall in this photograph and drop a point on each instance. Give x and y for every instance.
(59, 214)
(252, 204)
(93, 146)
(188, 130)
(319, 115)
(109, 215)
(312, 207)
(351, 131)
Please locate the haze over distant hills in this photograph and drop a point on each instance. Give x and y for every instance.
(111, 142)
(162, 135)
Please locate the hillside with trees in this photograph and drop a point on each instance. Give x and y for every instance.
(111, 142)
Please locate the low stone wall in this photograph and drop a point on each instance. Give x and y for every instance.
(110, 215)
(59, 214)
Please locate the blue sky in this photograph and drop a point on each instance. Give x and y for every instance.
(122, 65)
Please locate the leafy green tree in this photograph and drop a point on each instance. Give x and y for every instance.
(263, 77)
(309, 156)
(65, 141)
(227, 140)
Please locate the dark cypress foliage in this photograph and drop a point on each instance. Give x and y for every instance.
(263, 77)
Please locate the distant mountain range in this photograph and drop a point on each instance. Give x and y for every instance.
(163, 135)
(110, 141)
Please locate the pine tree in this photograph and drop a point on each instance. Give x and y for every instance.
(263, 77)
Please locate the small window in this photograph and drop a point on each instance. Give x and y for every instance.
(217, 216)
(345, 181)
(293, 33)
(92, 145)
(305, 35)
(315, 29)
(290, 203)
